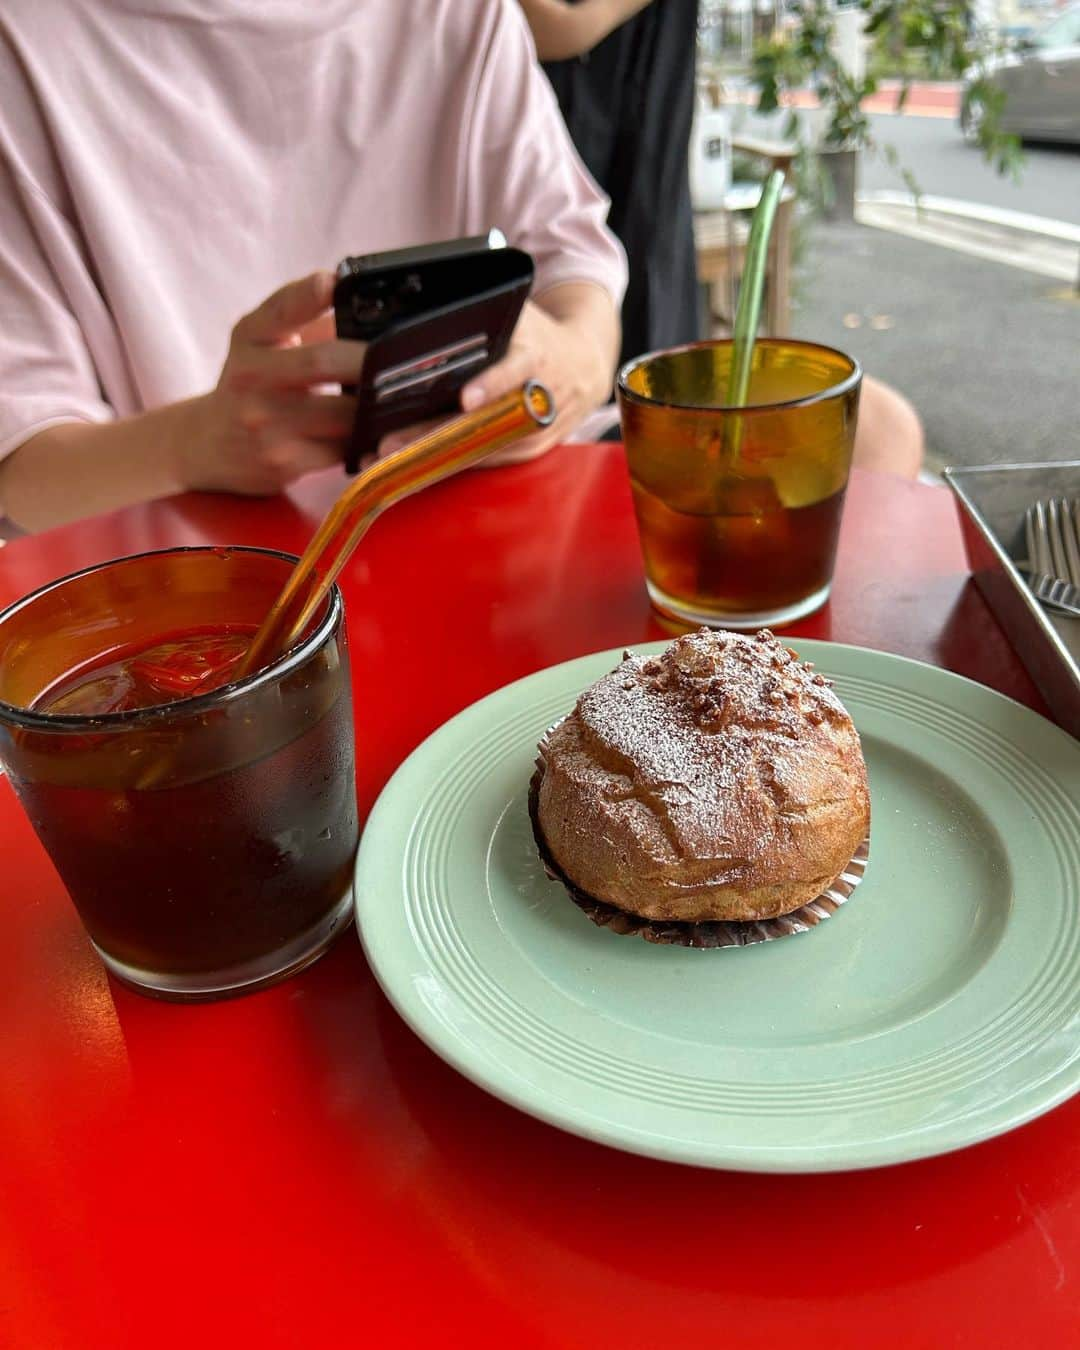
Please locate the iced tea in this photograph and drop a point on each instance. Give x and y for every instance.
(204, 829)
(739, 510)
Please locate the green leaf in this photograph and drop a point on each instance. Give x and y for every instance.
(911, 39)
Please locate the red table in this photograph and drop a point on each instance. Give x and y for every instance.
(295, 1168)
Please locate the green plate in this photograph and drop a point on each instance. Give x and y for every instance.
(938, 1007)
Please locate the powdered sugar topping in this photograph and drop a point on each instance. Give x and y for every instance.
(716, 729)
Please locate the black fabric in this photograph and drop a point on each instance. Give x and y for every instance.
(629, 105)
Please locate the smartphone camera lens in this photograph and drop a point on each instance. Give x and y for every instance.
(369, 308)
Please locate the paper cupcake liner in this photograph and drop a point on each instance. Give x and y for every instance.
(719, 933)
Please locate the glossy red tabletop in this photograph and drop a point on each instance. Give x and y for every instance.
(295, 1168)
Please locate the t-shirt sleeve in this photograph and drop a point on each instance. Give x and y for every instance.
(47, 375)
(523, 174)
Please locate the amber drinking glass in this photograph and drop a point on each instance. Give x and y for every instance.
(739, 509)
(207, 841)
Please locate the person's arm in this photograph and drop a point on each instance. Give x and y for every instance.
(561, 30)
(76, 469)
(257, 431)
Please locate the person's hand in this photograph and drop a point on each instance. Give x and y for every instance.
(270, 419)
(567, 355)
(569, 344)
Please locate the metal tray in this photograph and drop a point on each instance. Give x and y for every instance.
(991, 501)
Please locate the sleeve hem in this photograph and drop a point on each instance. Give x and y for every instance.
(612, 284)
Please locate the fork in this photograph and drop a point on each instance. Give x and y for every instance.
(1053, 542)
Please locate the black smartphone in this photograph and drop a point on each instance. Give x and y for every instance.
(432, 317)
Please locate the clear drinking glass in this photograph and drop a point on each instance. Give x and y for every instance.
(206, 842)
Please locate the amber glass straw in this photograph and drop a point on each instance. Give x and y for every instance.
(442, 452)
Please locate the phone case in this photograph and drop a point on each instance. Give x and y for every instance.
(432, 318)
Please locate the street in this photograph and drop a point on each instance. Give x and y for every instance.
(945, 166)
(985, 352)
(928, 141)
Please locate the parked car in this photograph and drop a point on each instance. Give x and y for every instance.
(1041, 83)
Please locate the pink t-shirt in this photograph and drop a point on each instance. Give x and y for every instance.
(167, 164)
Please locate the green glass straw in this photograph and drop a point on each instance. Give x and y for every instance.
(748, 311)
